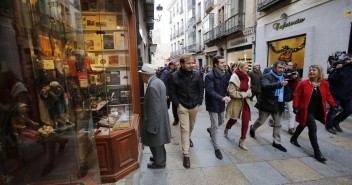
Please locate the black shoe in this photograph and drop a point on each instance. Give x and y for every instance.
(175, 123)
(294, 142)
(331, 130)
(152, 159)
(47, 169)
(83, 170)
(208, 129)
(338, 128)
(279, 146)
(318, 156)
(190, 143)
(251, 131)
(218, 154)
(186, 162)
(154, 166)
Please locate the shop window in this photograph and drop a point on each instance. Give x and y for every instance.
(288, 50)
(240, 56)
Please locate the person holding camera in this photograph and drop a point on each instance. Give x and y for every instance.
(309, 104)
(341, 90)
(291, 75)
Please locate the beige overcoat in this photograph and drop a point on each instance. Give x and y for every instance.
(235, 106)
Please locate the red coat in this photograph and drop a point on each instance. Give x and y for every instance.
(302, 95)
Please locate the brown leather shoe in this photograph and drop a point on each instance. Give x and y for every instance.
(186, 162)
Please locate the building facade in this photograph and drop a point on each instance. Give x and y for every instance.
(304, 32)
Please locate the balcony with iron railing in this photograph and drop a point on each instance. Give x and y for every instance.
(265, 4)
(219, 30)
(235, 23)
(177, 32)
(181, 9)
(182, 31)
(192, 48)
(199, 48)
(174, 35)
(198, 17)
(209, 6)
(208, 36)
(170, 36)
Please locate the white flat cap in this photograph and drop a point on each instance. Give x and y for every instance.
(148, 69)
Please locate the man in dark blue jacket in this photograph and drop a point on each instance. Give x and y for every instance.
(186, 89)
(341, 90)
(216, 82)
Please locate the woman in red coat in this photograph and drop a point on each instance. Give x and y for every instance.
(309, 104)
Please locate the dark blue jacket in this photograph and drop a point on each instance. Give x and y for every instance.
(215, 91)
(340, 84)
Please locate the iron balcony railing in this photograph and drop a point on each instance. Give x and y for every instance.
(219, 30)
(192, 48)
(265, 4)
(177, 33)
(209, 6)
(170, 36)
(182, 31)
(208, 36)
(235, 23)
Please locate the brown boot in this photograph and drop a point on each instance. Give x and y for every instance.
(186, 162)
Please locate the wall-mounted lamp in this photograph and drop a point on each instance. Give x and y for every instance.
(152, 48)
(159, 8)
(284, 16)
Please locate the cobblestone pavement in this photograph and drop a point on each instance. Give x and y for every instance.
(262, 164)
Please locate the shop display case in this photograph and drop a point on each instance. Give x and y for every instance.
(107, 41)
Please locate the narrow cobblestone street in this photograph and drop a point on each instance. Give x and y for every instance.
(262, 164)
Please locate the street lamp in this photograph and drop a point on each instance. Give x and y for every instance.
(159, 8)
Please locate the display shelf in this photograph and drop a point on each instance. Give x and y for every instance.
(100, 13)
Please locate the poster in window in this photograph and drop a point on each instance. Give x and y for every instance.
(108, 42)
(115, 77)
(123, 60)
(113, 60)
(119, 40)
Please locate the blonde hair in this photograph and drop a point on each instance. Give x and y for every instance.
(241, 65)
(320, 70)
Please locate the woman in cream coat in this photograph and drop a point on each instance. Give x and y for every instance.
(240, 93)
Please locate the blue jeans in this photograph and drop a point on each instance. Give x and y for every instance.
(335, 120)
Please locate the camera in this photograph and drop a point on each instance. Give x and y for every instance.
(335, 59)
(288, 74)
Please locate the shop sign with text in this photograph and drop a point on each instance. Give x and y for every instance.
(280, 26)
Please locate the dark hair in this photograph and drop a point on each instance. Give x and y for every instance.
(216, 60)
(277, 62)
(171, 63)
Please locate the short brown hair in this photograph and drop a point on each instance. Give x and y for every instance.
(185, 57)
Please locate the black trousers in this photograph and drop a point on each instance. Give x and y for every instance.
(159, 155)
(312, 131)
(174, 112)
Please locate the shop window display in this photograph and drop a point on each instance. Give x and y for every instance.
(288, 50)
(47, 132)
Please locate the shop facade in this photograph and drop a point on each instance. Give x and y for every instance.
(69, 106)
(304, 37)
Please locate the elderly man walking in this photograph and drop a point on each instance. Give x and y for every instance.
(272, 102)
(155, 131)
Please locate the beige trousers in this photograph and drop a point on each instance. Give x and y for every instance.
(187, 121)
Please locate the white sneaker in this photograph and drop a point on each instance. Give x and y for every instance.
(242, 145)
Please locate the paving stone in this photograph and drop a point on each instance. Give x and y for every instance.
(329, 169)
(202, 143)
(207, 158)
(294, 170)
(239, 156)
(337, 154)
(182, 177)
(261, 173)
(224, 175)
(153, 177)
(268, 152)
(340, 141)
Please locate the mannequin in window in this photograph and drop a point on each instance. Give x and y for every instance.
(53, 95)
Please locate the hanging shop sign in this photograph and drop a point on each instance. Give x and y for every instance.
(279, 26)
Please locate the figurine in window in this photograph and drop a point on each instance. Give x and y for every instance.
(54, 98)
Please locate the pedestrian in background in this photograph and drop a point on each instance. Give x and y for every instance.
(341, 90)
(216, 82)
(309, 104)
(240, 92)
(155, 131)
(256, 76)
(271, 102)
(174, 107)
(187, 93)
